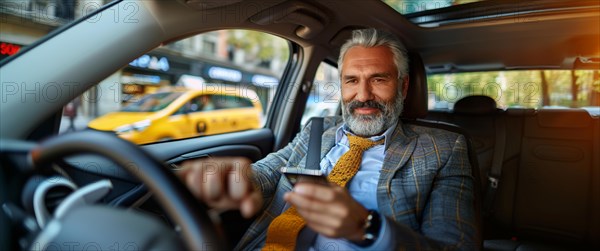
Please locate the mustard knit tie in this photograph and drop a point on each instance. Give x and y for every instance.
(284, 229)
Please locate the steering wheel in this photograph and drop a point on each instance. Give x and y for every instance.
(186, 211)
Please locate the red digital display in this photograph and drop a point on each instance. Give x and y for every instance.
(9, 49)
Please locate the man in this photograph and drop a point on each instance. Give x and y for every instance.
(412, 189)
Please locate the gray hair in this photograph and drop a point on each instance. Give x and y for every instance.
(369, 38)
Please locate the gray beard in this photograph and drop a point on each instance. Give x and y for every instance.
(375, 124)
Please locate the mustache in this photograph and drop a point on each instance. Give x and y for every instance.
(369, 104)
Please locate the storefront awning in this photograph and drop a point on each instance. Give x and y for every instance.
(190, 81)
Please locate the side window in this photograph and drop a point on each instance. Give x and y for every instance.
(201, 104)
(206, 103)
(519, 89)
(230, 102)
(183, 109)
(244, 102)
(325, 96)
(248, 64)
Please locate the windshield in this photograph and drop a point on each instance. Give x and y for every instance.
(152, 102)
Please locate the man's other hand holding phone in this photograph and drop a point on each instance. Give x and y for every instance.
(327, 208)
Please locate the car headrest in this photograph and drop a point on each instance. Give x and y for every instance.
(415, 103)
(476, 104)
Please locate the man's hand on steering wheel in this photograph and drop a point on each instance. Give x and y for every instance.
(223, 183)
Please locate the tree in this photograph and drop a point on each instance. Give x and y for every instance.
(574, 89)
(545, 91)
(594, 94)
(258, 45)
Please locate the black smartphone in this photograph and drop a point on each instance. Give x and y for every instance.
(296, 175)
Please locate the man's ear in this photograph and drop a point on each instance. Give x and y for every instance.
(405, 84)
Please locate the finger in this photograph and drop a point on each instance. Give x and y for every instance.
(313, 212)
(239, 183)
(334, 200)
(330, 225)
(323, 218)
(182, 173)
(251, 204)
(193, 181)
(316, 191)
(212, 180)
(185, 169)
(321, 228)
(330, 231)
(306, 203)
(325, 224)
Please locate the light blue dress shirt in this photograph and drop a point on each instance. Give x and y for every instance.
(363, 188)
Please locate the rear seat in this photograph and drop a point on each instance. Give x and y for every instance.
(476, 115)
(549, 191)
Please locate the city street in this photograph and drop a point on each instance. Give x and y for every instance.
(80, 123)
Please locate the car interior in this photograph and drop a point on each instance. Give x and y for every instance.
(539, 169)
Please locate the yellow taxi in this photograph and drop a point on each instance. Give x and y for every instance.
(182, 113)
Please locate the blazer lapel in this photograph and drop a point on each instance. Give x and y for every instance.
(400, 149)
(397, 154)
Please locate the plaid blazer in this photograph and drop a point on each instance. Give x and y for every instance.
(425, 188)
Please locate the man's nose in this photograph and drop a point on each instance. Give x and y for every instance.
(364, 92)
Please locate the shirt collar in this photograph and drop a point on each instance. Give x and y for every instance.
(340, 135)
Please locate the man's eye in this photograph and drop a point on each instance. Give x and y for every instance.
(379, 80)
(350, 81)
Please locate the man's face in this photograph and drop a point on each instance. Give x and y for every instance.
(370, 95)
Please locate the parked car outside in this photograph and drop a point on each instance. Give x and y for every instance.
(183, 113)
